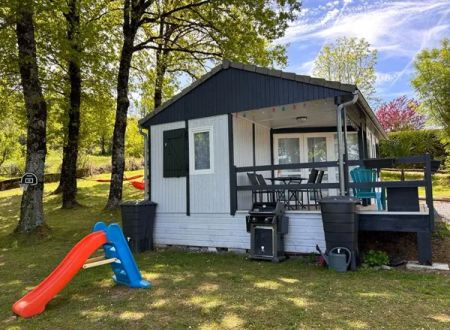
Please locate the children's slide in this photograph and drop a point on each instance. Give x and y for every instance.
(35, 301)
(116, 248)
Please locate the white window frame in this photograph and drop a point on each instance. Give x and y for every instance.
(193, 131)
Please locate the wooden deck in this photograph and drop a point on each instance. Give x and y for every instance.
(370, 219)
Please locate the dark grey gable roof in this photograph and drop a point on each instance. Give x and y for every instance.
(234, 87)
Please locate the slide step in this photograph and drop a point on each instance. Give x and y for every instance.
(100, 262)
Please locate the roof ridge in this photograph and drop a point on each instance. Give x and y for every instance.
(289, 75)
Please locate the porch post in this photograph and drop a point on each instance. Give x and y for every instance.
(188, 174)
(340, 150)
(339, 111)
(271, 152)
(361, 147)
(232, 168)
(346, 179)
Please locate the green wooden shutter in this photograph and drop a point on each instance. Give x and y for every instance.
(175, 153)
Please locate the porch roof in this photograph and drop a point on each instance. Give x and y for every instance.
(234, 87)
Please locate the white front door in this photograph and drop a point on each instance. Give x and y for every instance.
(306, 148)
(287, 150)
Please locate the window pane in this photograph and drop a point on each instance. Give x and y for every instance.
(317, 149)
(201, 151)
(352, 145)
(288, 151)
(317, 152)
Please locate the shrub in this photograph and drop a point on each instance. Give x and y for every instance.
(413, 143)
(375, 258)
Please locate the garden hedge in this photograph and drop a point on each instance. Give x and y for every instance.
(412, 143)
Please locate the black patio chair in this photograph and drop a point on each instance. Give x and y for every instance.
(254, 182)
(318, 191)
(312, 178)
(262, 182)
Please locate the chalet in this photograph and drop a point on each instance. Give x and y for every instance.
(206, 142)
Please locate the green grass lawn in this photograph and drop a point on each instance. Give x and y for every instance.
(53, 162)
(202, 290)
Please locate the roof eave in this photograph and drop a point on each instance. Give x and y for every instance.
(365, 105)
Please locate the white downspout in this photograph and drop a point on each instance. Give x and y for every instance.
(145, 162)
(341, 140)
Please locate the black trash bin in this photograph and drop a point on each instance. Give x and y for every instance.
(340, 224)
(138, 219)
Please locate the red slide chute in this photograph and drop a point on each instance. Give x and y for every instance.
(35, 301)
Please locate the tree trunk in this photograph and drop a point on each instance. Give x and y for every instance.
(161, 69)
(31, 209)
(118, 143)
(68, 180)
(102, 146)
(162, 56)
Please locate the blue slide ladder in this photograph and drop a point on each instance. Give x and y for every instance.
(125, 270)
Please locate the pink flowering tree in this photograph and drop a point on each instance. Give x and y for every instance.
(400, 114)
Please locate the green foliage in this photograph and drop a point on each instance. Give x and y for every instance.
(412, 143)
(441, 230)
(432, 83)
(10, 136)
(237, 30)
(12, 132)
(348, 60)
(97, 124)
(375, 258)
(134, 141)
(99, 38)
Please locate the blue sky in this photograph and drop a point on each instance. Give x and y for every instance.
(397, 29)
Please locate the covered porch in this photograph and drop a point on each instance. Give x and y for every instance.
(282, 147)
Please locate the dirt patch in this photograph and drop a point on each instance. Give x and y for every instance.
(120, 293)
(403, 246)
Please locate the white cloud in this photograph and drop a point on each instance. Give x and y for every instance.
(384, 77)
(305, 68)
(332, 14)
(391, 27)
(398, 29)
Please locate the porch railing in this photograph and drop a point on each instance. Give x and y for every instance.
(426, 182)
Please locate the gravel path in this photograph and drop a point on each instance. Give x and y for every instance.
(443, 209)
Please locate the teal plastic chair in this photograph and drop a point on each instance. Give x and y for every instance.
(364, 175)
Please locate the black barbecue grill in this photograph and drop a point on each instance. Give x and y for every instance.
(267, 226)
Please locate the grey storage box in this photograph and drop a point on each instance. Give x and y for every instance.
(340, 224)
(138, 219)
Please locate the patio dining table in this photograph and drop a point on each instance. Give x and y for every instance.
(292, 195)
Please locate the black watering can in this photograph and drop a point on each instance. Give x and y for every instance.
(338, 258)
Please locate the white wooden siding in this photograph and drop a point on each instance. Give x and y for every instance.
(169, 193)
(243, 142)
(226, 231)
(210, 193)
(262, 145)
(243, 156)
